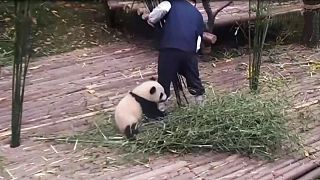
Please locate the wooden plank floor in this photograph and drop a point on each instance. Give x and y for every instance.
(64, 93)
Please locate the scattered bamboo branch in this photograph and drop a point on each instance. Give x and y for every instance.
(75, 145)
(68, 140)
(10, 174)
(54, 149)
(308, 63)
(104, 136)
(308, 104)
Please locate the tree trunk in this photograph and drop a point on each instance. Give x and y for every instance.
(211, 18)
(212, 15)
(110, 15)
(206, 47)
(311, 30)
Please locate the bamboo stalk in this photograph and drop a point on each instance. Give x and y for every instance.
(250, 56)
(261, 28)
(20, 65)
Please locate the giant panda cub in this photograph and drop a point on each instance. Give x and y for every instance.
(142, 100)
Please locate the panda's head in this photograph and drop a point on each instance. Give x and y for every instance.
(151, 91)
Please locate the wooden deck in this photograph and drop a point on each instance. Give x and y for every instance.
(235, 13)
(65, 92)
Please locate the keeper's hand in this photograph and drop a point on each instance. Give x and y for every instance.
(148, 21)
(152, 25)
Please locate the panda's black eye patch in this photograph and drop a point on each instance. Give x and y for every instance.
(153, 90)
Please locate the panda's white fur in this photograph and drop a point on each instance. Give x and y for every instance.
(129, 111)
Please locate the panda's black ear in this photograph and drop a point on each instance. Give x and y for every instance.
(153, 79)
(152, 90)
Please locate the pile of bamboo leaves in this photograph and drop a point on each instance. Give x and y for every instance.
(239, 123)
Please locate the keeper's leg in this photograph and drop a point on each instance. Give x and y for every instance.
(191, 72)
(168, 65)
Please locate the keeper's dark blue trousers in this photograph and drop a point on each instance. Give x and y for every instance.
(174, 61)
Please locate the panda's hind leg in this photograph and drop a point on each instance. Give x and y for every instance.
(134, 129)
(131, 131)
(128, 133)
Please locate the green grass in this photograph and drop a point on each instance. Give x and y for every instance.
(58, 27)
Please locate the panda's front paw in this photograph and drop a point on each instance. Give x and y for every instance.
(165, 113)
(162, 116)
(162, 106)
